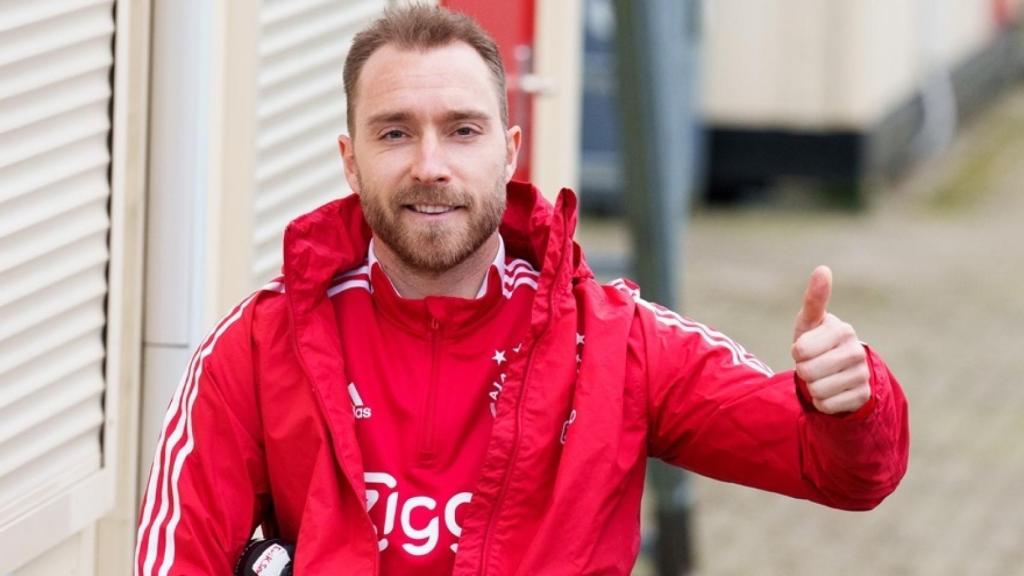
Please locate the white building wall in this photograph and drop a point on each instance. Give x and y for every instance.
(557, 82)
(831, 63)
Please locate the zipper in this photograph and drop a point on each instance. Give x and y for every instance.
(512, 457)
(519, 422)
(428, 449)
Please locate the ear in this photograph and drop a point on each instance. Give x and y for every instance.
(513, 138)
(348, 158)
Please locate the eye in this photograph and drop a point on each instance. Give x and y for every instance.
(466, 131)
(392, 135)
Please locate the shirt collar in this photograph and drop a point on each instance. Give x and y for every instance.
(498, 264)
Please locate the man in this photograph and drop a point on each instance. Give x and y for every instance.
(438, 385)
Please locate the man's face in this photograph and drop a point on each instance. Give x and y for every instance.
(430, 157)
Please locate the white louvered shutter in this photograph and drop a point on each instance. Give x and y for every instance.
(55, 98)
(301, 112)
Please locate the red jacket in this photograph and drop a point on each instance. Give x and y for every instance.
(262, 428)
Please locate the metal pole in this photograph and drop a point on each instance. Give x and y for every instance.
(657, 43)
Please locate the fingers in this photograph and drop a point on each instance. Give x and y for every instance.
(851, 378)
(846, 354)
(825, 337)
(815, 302)
(833, 363)
(848, 401)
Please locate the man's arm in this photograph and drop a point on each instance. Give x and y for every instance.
(839, 438)
(208, 477)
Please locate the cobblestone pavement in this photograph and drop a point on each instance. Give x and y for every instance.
(932, 275)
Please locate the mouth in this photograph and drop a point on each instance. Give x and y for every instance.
(431, 209)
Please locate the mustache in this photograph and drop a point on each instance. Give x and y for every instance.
(435, 195)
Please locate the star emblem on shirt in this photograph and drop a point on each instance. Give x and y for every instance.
(499, 357)
(579, 339)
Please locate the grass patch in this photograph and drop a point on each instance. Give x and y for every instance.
(972, 182)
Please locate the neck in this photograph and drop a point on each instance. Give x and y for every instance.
(462, 280)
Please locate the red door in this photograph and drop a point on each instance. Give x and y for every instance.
(1004, 12)
(511, 24)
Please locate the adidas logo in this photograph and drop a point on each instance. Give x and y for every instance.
(359, 409)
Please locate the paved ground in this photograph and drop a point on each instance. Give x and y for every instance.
(932, 275)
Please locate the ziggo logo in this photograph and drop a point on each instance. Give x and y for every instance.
(425, 538)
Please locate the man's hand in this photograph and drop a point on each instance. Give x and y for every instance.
(828, 355)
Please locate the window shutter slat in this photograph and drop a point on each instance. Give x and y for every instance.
(57, 30)
(54, 167)
(33, 74)
(32, 377)
(301, 112)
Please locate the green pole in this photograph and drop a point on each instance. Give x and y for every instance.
(657, 45)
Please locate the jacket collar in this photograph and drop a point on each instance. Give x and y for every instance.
(443, 315)
(498, 264)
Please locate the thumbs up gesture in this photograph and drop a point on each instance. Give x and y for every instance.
(827, 353)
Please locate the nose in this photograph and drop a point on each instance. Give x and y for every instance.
(430, 166)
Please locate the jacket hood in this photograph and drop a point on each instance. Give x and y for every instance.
(335, 238)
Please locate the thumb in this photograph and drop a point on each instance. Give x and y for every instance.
(815, 305)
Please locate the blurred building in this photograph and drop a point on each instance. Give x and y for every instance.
(844, 92)
(834, 91)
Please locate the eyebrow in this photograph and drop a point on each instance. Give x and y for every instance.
(389, 118)
(405, 117)
(461, 115)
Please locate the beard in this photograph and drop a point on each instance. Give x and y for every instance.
(434, 247)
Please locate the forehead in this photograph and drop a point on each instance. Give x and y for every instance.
(420, 82)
